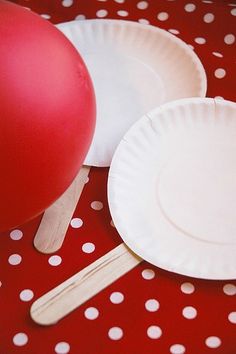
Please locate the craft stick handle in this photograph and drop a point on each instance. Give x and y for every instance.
(66, 297)
(55, 221)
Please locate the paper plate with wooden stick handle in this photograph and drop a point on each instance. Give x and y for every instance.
(119, 105)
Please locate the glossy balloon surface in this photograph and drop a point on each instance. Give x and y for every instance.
(47, 114)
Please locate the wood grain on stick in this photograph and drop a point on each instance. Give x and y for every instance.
(56, 219)
(66, 297)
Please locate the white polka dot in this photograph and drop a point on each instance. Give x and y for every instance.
(143, 21)
(46, 16)
(112, 223)
(207, 1)
(67, 3)
(213, 342)
(148, 274)
(189, 7)
(14, 259)
(88, 247)
(55, 260)
(0, 284)
(232, 317)
(174, 31)
(229, 289)
(117, 297)
(85, 179)
(102, 13)
(152, 305)
(208, 18)
(220, 73)
(115, 333)
(200, 40)
(122, 13)
(20, 339)
(120, 1)
(217, 54)
(76, 223)
(142, 5)
(187, 288)
(233, 12)
(91, 313)
(191, 46)
(189, 312)
(81, 17)
(96, 205)
(62, 348)
(16, 235)
(154, 332)
(219, 97)
(26, 295)
(177, 349)
(162, 16)
(229, 38)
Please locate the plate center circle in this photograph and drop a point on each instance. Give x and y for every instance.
(123, 83)
(197, 192)
(125, 88)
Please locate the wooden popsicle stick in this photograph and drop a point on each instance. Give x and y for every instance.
(73, 292)
(55, 221)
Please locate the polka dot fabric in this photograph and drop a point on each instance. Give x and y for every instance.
(148, 310)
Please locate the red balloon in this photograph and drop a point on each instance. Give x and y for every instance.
(47, 114)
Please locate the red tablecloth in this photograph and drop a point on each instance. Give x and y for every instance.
(148, 310)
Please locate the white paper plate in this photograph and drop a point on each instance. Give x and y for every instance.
(172, 188)
(134, 68)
